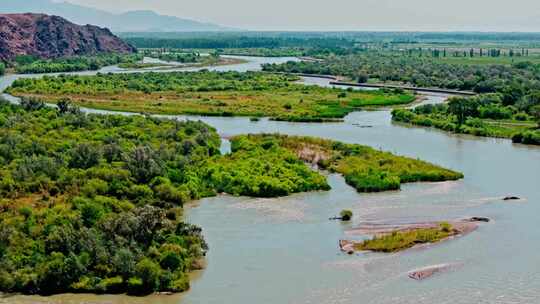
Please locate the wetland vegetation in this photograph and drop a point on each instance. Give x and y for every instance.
(364, 168)
(208, 93)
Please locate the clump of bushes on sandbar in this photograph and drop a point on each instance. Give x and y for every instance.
(401, 240)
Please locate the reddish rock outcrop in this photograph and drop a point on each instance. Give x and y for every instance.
(52, 37)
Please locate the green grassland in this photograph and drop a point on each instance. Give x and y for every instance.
(208, 93)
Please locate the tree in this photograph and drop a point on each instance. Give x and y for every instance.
(149, 272)
(84, 156)
(144, 164)
(462, 108)
(346, 215)
(32, 104)
(535, 111)
(363, 78)
(63, 105)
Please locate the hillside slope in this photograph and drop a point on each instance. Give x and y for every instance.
(52, 37)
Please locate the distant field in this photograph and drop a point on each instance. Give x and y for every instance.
(489, 60)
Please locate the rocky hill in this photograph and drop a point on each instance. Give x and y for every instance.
(52, 37)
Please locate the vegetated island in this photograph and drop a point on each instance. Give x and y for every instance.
(399, 237)
(208, 93)
(364, 168)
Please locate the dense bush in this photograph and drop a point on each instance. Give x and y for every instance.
(266, 52)
(89, 202)
(176, 56)
(527, 137)
(364, 168)
(262, 170)
(346, 215)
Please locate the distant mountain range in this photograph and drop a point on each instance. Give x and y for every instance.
(134, 21)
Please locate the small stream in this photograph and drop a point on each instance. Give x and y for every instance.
(284, 250)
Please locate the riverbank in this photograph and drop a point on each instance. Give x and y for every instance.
(439, 117)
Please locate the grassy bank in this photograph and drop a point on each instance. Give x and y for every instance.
(208, 93)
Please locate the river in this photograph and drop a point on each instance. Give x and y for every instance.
(285, 250)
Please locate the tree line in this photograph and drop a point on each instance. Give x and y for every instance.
(483, 115)
(26, 64)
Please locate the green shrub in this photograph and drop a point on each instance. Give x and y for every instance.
(373, 182)
(171, 260)
(517, 138)
(446, 227)
(531, 138)
(346, 215)
(521, 116)
(111, 285)
(149, 272)
(95, 187)
(135, 286)
(180, 285)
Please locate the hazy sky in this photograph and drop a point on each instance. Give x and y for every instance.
(436, 15)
